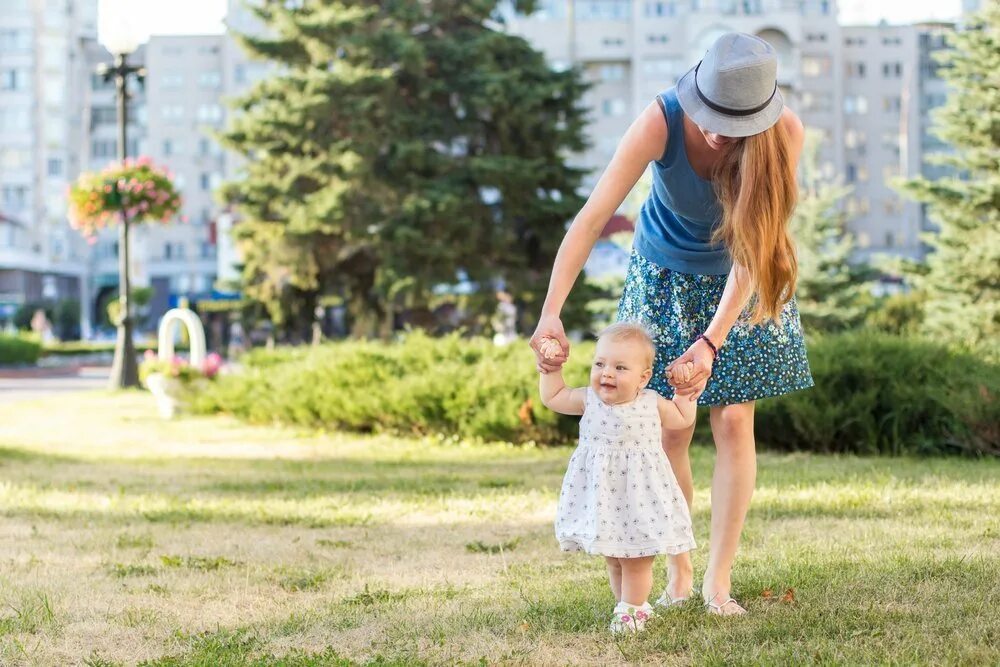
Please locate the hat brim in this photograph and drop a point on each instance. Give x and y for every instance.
(719, 123)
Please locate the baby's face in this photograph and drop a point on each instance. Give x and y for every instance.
(620, 370)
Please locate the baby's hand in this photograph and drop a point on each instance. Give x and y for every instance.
(682, 373)
(550, 348)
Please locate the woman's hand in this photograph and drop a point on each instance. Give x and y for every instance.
(548, 359)
(701, 357)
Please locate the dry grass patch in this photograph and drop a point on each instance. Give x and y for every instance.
(127, 540)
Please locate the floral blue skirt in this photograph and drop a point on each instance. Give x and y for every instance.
(755, 362)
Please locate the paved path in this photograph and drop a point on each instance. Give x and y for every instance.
(15, 389)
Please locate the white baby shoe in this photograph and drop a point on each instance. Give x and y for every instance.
(627, 618)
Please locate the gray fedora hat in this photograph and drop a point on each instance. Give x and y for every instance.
(733, 91)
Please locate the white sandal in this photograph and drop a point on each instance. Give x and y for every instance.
(719, 609)
(665, 601)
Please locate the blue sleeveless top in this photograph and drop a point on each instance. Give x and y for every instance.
(675, 224)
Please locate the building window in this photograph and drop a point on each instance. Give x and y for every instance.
(851, 172)
(660, 9)
(171, 147)
(892, 41)
(172, 80)
(855, 105)
(13, 79)
(103, 116)
(854, 41)
(934, 100)
(103, 148)
(892, 70)
(55, 166)
(889, 172)
(173, 112)
(657, 39)
(612, 72)
(814, 66)
(891, 103)
(208, 50)
(613, 107)
(604, 10)
(207, 250)
(613, 41)
(210, 113)
(856, 70)
(15, 197)
(816, 37)
(13, 41)
(210, 79)
(890, 240)
(817, 101)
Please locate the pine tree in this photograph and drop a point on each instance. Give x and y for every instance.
(400, 146)
(960, 280)
(832, 293)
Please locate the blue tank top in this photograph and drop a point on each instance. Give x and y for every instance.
(676, 222)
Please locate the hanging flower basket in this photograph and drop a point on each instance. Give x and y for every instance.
(137, 188)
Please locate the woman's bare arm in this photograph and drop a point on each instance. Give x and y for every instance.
(644, 142)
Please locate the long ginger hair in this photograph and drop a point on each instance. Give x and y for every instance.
(755, 183)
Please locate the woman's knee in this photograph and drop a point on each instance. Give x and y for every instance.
(733, 423)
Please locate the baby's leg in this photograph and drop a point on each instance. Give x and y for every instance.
(637, 580)
(615, 576)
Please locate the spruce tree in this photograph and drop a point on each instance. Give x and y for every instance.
(400, 146)
(960, 280)
(833, 293)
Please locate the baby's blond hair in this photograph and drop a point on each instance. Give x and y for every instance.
(630, 330)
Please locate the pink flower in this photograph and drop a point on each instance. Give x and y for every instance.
(210, 367)
(641, 615)
(626, 618)
(149, 355)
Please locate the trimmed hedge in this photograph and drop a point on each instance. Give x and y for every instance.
(874, 394)
(449, 385)
(879, 394)
(18, 350)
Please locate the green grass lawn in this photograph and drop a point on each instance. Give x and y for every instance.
(125, 539)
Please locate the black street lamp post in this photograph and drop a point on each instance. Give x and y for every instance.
(124, 369)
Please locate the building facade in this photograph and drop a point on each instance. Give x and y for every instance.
(866, 91)
(41, 259)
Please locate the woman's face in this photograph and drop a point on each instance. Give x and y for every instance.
(715, 141)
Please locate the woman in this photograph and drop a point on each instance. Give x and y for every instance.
(712, 272)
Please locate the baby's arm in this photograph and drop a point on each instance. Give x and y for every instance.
(678, 413)
(558, 397)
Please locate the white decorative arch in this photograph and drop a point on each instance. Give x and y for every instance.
(196, 332)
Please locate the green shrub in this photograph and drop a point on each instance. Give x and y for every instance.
(875, 394)
(448, 385)
(19, 350)
(878, 394)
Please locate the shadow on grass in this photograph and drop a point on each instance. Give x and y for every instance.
(901, 610)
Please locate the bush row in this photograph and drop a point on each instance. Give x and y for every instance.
(874, 394)
(16, 350)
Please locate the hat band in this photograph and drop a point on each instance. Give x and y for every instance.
(726, 110)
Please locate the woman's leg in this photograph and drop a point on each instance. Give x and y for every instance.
(677, 445)
(732, 487)
(637, 580)
(615, 576)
